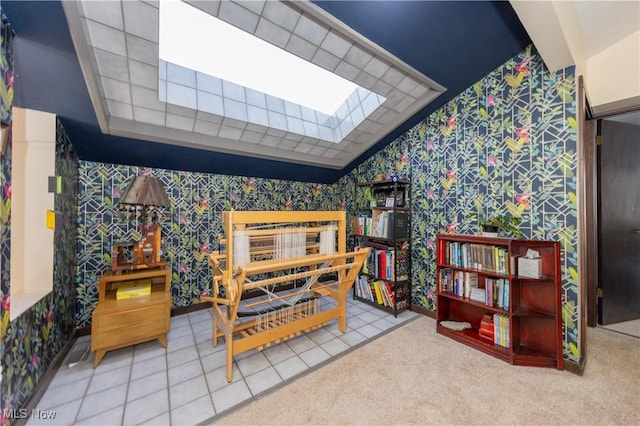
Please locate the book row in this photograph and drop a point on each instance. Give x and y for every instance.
(386, 263)
(495, 328)
(381, 224)
(492, 292)
(380, 292)
(483, 257)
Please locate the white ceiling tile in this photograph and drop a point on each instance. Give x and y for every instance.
(143, 74)
(116, 90)
(272, 33)
(308, 114)
(270, 140)
(281, 14)
(256, 128)
(381, 88)
(141, 19)
(210, 103)
(370, 103)
(180, 122)
(407, 84)
(310, 140)
(255, 6)
(206, 128)
(295, 125)
(331, 153)
(378, 114)
(388, 116)
(336, 44)
(326, 133)
(419, 91)
(205, 116)
(145, 115)
(233, 91)
(311, 129)
(252, 137)
(275, 104)
(357, 57)
(318, 150)
(294, 136)
(106, 38)
(346, 70)
(257, 115)
(181, 95)
(234, 109)
(179, 110)
(325, 60)
(106, 12)
(256, 98)
(120, 109)
(310, 30)
(276, 132)
(393, 76)
(231, 122)
(228, 132)
(365, 79)
(303, 148)
(154, 3)
(238, 16)
(405, 102)
(208, 83)
(112, 65)
(181, 75)
(142, 50)
(148, 98)
(277, 120)
(301, 47)
(376, 67)
(292, 109)
(288, 144)
(209, 6)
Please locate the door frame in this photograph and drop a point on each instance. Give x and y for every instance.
(588, 212)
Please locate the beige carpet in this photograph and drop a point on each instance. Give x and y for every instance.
(415, 376)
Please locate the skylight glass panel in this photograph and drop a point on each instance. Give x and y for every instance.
(194, 39)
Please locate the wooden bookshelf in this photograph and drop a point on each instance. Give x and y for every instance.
(530, 306)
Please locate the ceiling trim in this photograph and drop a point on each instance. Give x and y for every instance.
(149, 116)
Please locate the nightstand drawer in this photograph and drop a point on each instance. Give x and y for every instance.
(121, 327)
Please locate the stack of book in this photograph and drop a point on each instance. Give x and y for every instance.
(486, 327)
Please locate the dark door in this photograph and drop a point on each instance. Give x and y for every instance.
(619, 263)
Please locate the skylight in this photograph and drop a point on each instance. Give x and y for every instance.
(214, 67)
(197, 40)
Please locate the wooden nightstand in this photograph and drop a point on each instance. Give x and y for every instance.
(119, 323)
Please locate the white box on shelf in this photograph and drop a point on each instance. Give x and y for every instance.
(529, 268)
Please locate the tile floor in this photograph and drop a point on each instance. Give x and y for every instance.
(185, 384)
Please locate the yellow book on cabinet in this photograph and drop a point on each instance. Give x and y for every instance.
(135, 289)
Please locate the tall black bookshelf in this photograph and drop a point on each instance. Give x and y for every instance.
(382, 223)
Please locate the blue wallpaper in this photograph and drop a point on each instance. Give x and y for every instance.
(506, 145)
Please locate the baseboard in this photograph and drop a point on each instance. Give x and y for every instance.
(575, 367)
(423, 311)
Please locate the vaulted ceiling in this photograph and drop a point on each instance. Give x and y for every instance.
(95, 64)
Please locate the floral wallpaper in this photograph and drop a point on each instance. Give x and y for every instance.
(189, 231)
(506, 145)
(33, 340)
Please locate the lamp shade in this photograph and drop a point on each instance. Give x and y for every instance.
(145, 191)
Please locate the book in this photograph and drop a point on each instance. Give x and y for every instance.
(470, 281)
(135, 289)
